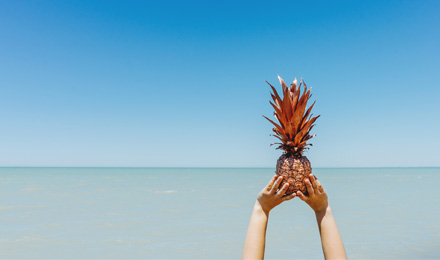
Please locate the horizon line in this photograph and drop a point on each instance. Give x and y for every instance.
(214, 167)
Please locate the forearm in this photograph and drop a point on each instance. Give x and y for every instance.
(330, 238)
(256, 234)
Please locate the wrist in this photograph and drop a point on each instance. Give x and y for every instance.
(321, 213)
(258, 208)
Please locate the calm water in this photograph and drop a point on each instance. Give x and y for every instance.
(390, 213)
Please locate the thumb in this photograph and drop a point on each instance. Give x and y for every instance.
(301, 195)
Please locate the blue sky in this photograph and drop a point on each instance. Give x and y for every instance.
(181, 83)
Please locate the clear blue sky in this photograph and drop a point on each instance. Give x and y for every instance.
(181, 83)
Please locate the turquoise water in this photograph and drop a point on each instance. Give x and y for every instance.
(386, 213)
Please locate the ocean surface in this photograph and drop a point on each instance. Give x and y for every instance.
(195, 213)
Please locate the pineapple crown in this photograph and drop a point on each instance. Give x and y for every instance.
(295, 123)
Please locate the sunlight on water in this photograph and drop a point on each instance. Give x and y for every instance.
(203, 213)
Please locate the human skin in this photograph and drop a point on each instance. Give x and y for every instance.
(317, 199)
(268, 198)
(271, 197)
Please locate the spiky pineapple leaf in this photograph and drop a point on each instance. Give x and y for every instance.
(295, 122)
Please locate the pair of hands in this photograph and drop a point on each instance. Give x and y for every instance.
(272, 195)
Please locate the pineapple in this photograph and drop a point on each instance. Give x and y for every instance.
(293, 130)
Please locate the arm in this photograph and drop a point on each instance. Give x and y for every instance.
(330, 238)
(268, 198)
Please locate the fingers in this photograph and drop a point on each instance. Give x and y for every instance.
(276, 185)
(309, 187)
(320, 188)
(289, 197)
(270, 184)
(313, 181)
(316, 184)
(283, 189)
(301, 195)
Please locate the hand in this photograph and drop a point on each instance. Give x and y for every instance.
(270, 196)
(317, 198)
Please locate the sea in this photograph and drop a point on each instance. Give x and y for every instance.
(203, 213)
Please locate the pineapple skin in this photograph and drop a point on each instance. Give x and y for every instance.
(295, 169)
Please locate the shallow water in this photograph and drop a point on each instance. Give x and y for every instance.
(386, 213)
